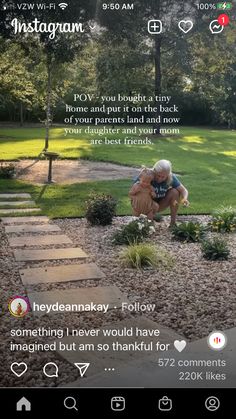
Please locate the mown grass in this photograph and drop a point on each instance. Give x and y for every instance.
(203, 158)
(69, 200)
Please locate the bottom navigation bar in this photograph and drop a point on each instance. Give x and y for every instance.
(117, 402)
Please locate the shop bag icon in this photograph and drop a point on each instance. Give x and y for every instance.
(165, 404)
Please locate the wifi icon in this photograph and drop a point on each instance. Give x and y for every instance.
(63, 6)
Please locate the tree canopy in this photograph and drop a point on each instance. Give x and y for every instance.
(39, 74)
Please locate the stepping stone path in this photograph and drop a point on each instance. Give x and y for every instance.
(39, 240)
(38, 228)
(15, 196)
(66, 273)
(52, 274)
(49, 254)
(18, 210)
(26, 220)
(16, 203)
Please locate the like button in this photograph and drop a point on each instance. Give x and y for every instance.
(19, 368)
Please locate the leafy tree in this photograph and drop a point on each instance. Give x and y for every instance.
(170, 44)
(57, 51)
(122, 69)
(213, 74)
(16, 85)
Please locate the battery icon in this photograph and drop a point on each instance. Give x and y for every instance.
(224, 6)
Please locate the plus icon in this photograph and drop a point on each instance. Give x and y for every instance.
(155, 26)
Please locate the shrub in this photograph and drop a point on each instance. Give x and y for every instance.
(224, 220)
(145, 255)
(215, 249)
(100, 209)
(189, 232)
(7, 171)
(158, 217)
(134, 232)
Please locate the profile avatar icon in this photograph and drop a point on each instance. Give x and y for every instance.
(18, 306)
(212, 403)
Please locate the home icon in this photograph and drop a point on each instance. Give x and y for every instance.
(23, 404)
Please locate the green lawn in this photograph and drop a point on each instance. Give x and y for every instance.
(205, 160)
(69, 200)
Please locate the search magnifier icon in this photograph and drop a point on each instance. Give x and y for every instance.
(70, 403)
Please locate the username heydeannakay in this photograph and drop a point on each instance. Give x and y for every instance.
(57, 307)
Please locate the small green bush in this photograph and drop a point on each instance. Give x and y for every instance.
(100, 209)
(7, 172)
(134, 232)
(146, 255)
(224, 220)
(158, 217)
(188, 232)
(215, 249)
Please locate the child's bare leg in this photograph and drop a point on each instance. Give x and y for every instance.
(135, 213)
(150, 215)
(155, 209)
(139, 205)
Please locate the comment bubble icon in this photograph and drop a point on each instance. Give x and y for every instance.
(50, 370)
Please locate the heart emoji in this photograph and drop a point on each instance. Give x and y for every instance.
(180, 345)
(185, 25)
(18, 368)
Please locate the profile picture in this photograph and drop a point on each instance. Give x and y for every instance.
(19, 306)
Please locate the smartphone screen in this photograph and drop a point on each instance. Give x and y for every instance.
(117, 208)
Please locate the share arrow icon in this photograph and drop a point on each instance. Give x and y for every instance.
(82, 367)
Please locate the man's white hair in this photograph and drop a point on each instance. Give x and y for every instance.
(164, 166)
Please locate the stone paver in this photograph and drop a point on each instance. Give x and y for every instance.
(146, 373)
(25, 228)
(16, 203)
(18, 210)
(110, 295)
(15, 195)
(55, 274)
(20, 220)
(115, 359)
(49, 254)
(39, 240)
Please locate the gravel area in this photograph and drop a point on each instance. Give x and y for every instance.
(72, 171)
(193, 298)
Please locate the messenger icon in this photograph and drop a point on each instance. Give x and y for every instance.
(165, 404)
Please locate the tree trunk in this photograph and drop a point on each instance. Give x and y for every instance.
(21, 114)
(48, 105)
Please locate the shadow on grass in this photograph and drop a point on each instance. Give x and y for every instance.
(41, 193)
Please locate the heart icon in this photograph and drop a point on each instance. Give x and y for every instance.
(185, 25)
(180, 345)
(19, 368)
